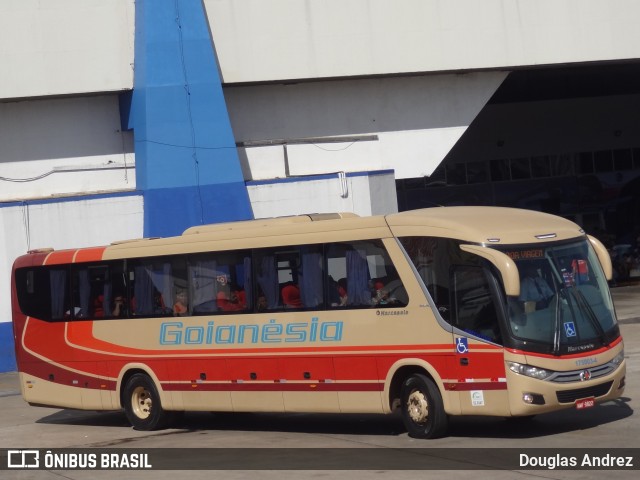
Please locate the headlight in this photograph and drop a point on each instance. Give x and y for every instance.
(528, 370)
(618, 358)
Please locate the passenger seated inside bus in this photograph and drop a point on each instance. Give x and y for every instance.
(535, 292)
(342, 292)
(380, 296)
(119, 309)
(181, 306)
(261, 303)
(230, 299)
(98, 306)
(291, 296)
(392, 293)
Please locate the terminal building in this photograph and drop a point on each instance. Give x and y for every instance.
(124, 119)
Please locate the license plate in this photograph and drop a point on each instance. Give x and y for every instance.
(585, 403)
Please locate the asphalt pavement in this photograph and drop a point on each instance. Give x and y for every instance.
(627, 303)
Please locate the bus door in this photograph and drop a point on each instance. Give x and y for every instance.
(478, 363)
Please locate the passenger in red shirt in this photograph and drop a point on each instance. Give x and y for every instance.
(291, 296)
(230, 299)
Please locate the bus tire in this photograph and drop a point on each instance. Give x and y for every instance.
(142, 404)
(422, 408)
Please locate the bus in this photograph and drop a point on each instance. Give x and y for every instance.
(421, 312)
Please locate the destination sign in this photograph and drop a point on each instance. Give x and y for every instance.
(525, 254)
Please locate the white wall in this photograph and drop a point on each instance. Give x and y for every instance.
(63, 146)
(416, 119)
(67, 224)
(57, 47)
(263, 40)
(366, 194)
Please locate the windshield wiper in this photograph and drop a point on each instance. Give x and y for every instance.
(591, 316)
(556, 326)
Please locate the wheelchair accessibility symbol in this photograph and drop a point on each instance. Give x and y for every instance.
(570, 329)
(462, 345)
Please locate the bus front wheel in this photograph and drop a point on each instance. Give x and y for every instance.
(142, 403)
(422, 408)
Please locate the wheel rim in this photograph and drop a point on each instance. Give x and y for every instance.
(141, 402)
(418, 407)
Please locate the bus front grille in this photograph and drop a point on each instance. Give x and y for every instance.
(570, 396)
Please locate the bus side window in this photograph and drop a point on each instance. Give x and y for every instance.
(220, 282)
(156, 285)
(474, 308)
(202, 282)
(366, 276)
(432, 258)
(267, 281)
(290, 277)
(348, 262)
(99, 290)
(43, 292)
(59, 284)
(311, 276)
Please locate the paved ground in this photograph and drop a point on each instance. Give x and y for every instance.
(627, 303)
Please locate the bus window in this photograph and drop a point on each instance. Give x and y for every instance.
(157, 284)
(220, 282)
(474, 307)
(267, 281)
(43, 292)
(99, 291)
(432, 258)
(456, 281)
(59, 285)
(365, 273)
(290, 277)
(311, 275)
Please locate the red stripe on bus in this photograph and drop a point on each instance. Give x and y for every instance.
(89, 254)
(69, 378)
(60, 257)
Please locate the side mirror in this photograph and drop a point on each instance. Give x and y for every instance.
(603, 256)
(507, 267)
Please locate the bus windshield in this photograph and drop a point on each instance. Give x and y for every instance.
(564, 304)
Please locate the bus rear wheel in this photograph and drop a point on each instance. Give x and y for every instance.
(142, 404)
(422, 408)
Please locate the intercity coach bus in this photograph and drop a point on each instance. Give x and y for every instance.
(434, 312)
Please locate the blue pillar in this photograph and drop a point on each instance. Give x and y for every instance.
(187, 165)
